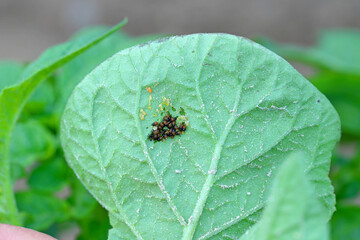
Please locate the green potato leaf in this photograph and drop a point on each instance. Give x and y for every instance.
(13, 99)
(248, 109)
(292, 212)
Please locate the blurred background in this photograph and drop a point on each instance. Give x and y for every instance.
(321, 38)
(27, 27)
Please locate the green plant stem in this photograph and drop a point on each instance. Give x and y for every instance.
(8, 192)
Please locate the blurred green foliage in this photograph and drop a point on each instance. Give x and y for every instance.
(335, 62)
(53, 198)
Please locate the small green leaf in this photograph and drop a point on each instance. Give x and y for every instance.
(292, 212)
(248, 110)
(39, 210)
(13, 99)
(30, 142)
(51, 176)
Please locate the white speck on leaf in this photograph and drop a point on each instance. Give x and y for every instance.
(212, 172)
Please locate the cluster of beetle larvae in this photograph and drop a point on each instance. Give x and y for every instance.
(166, 128)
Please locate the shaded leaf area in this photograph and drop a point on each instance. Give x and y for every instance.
(31, 142)
(40, 210)
(345, 176)
(292, 211)
(346, 180)
(336, 58)
(95, 226)
(345, 222)
(50, 176)
(36, 155)
(248, 110)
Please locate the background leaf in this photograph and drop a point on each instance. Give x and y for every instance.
(345, 222)
(248, 110)
(40, 210)
(336, 50)
(31, 141)
(345, 177)
(49, 177)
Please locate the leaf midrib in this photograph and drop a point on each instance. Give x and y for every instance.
(145, 147)
(189, 230)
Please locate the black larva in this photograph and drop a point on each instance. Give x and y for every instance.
(167, 128)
